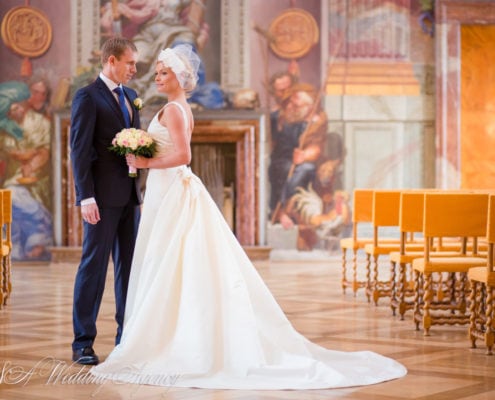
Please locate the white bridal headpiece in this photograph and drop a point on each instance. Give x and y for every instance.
(184, 62)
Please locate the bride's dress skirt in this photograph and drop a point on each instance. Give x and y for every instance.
(199, 315)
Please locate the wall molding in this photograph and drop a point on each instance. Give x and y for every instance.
(235, 69)
(85, 32)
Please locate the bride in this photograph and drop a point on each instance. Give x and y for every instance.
(196, 307)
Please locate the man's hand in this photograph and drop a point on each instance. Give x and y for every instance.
(90, 213)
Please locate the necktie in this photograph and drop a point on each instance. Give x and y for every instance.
(123, 106)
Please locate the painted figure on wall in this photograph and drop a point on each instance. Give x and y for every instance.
(298, 136)
(39, 99)
(303, 178)
(25, 142)
(154, 25)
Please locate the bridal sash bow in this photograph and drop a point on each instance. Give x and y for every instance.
(191, 180)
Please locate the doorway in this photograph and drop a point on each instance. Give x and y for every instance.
(477, 130)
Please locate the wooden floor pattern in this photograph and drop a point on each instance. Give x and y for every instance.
(36, 332)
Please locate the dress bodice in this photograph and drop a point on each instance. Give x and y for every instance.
(160, 133)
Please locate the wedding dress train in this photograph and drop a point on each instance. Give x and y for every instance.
(197, 309)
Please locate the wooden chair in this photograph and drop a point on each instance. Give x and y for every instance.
(482, 297)
(361, 214)
(411, 223)
(385, 213)
(447, 215)
(6, 245)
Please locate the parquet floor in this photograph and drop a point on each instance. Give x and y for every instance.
(36, 332)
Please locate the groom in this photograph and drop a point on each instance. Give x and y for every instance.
(108, 197)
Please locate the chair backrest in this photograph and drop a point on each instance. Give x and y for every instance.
(410, 215)
(386, 208)
(5, 216)
(7, 206)
(363, 205)
(362, 208)
(1, 208)
(411, 211)
(490, 235)
(455, 214)
(490, 226)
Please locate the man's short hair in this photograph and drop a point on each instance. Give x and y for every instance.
(115, 46)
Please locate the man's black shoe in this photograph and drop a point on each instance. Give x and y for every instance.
(85, 356)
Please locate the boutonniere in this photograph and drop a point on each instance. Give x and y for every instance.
(138, 103)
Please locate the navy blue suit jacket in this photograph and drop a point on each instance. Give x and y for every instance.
(95, 120)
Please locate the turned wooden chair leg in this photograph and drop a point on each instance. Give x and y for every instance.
(417, 316)
(427, 298)
(344, 270)
(376, 285)
(403, 287)
(490, 327)
(355, 283)
(474, 297)
(393, 287)
(368, 277)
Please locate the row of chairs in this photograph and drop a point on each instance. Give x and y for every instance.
(441, 261)
(5, 245)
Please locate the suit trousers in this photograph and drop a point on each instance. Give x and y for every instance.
(115, 233)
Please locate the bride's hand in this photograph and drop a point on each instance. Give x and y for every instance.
(131, 160)
(136, 162)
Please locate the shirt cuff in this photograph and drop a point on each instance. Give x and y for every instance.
(90, 200)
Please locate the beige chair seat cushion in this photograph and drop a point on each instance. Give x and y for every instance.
(448, 264)
(350, 243)
(408, 258)
(386, 248)
(479, 274)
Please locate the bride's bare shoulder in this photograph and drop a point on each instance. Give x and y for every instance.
(178, 105)
(180, 109)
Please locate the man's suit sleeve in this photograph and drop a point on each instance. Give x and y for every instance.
(82, 152)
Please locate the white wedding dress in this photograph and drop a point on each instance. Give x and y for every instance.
(198, 310)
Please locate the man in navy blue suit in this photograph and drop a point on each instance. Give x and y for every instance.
(108, 197)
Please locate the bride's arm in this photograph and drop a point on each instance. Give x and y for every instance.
(181, 152)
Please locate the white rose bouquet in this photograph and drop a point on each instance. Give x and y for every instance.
(133, 141)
